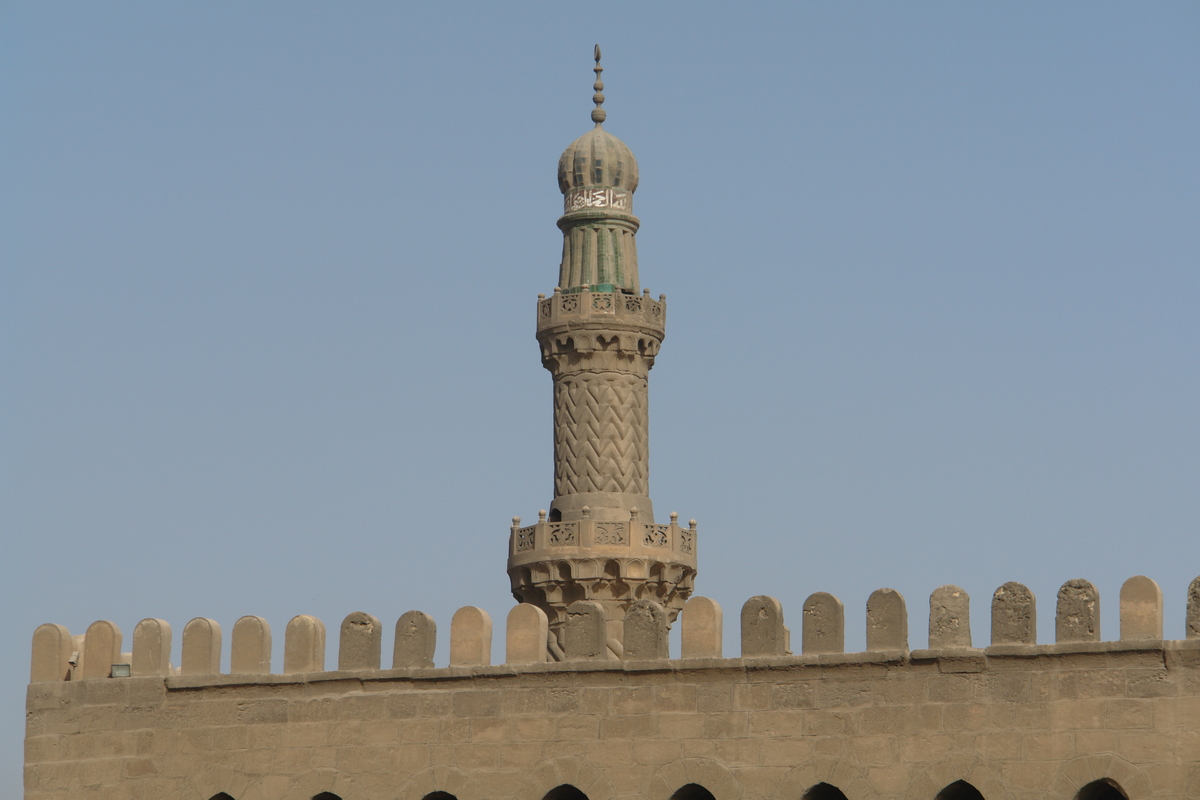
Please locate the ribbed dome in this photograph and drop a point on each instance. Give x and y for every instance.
(597, 159)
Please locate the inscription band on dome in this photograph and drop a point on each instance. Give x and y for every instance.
(577, 199)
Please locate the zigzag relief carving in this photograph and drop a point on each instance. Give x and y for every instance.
(600, 434)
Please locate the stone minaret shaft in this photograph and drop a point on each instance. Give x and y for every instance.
(600, 357)
(599, 334)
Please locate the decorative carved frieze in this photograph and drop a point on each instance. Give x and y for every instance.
(657, 536)
(562, 533)
(597, 197)
(524, 539)
(611, 533)
(687, 541)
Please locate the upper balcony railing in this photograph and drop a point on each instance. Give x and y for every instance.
(634, 534)
(586, 304)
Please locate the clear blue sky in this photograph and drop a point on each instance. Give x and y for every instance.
(269, 270)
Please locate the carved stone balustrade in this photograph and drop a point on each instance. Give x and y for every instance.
(564, 312)
(553, 564)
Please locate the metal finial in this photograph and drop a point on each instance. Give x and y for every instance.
(598, 113)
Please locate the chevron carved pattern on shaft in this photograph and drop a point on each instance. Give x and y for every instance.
(600, 434)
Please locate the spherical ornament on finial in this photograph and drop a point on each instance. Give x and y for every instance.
(598, 113)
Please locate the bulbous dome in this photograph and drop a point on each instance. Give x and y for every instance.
(597, 159)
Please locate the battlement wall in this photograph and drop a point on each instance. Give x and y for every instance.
(57, 655)
(1078, 719)
(1040, 722)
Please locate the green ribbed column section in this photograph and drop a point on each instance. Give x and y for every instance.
(599, 252)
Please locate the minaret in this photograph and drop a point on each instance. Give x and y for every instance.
(599, 334)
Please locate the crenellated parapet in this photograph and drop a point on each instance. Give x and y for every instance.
(58, 656)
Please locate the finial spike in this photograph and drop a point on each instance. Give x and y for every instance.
(598, 113)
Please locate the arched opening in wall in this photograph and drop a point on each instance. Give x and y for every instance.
(824, 791)
(565, 792)
(692, 791)
(439, 796)
(1103, 789)
(959, 790)
(220, 796)
(326, 796)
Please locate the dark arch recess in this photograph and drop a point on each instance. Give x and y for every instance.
(439, 796)
(221, 796)
(824, 791)
(565, 792)
(959, 790)
(326, 796)
(692, 791)
(1103, 789)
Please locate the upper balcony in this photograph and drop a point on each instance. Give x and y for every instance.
(591, 538)
(571, 309)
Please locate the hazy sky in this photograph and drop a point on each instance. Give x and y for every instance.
(269, 274)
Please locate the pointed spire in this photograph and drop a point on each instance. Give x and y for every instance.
(598, 113)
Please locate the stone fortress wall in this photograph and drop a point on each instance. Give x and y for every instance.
(1016, 720)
